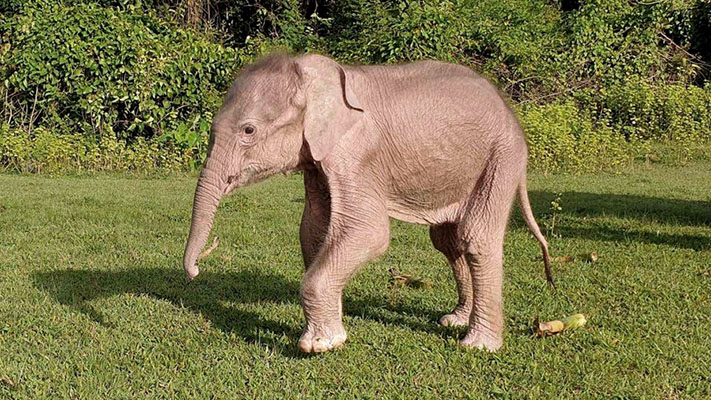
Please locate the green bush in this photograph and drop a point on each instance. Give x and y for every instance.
(377, 31)
(561, 138)
(84, 68)
(662, 113)
(504, 38)
(691, 28)
(43, 151)
(124, 85)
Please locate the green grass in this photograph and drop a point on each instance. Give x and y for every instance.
(93, 302)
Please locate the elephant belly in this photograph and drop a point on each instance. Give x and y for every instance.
(429, 184)
(423, 216)
(429, 201)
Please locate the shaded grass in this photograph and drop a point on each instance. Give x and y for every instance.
(94, 303)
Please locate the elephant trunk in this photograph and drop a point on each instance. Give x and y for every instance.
(210, 189)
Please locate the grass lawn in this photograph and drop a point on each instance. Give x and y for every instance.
(93, 302)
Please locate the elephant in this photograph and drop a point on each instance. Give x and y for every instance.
(426, 142)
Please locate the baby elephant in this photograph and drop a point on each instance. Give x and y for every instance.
(428, 142)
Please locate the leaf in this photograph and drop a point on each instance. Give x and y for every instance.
(193, 138)
(7, 381)
(408, 280)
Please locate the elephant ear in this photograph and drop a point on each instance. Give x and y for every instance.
(332, 108)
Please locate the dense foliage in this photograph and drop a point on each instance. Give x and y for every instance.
(116, 84)
(110, 75)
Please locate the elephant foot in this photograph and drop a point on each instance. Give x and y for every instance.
(456, 318)
(322, 339)
(476, 340)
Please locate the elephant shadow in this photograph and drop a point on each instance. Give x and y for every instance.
(675, 212)
(209, 296)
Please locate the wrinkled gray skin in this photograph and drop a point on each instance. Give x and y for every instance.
(428, 143)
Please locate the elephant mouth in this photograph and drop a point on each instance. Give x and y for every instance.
(233, 181)
(249, 175)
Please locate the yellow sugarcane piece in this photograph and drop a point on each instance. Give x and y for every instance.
(557, 326)
(550, 328)
(588, 257)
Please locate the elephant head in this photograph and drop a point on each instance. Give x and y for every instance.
(279, 114)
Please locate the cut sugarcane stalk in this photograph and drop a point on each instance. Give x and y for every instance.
(557, 326)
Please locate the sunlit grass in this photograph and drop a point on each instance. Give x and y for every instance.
(93, 301)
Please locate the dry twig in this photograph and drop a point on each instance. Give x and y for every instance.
(215, 243)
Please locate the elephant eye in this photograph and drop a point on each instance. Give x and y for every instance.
(249, 129)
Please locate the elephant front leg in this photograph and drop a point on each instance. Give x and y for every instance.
(349, 244)
(316, 216)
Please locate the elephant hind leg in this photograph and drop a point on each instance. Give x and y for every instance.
(482, 229)
(444, 238)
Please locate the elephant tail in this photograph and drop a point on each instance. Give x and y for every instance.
(533, 226)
